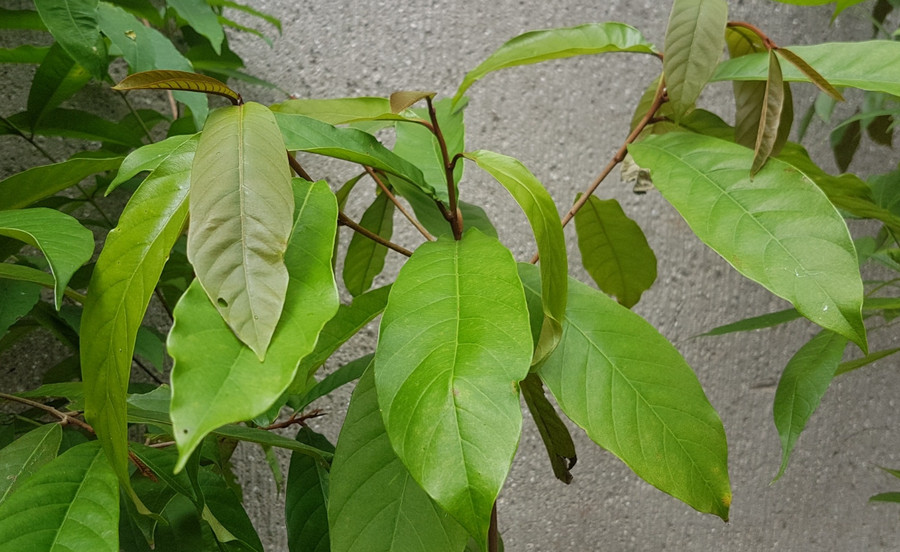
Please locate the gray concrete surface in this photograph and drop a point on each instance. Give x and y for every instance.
(563, 120)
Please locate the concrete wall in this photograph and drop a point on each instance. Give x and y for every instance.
(564, 120)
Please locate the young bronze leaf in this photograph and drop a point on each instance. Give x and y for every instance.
(177, 80)
(242, 209)
(406, 99)
(695, 39)
(454, 342)
(810, 73)
(770, 118)
(778, 229)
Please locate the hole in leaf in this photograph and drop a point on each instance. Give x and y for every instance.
(222, 302)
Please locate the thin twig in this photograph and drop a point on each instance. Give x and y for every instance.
(399, 205)
(298, 168)
(350, 223)
(136, 115)
(65, 418)
(295, 419)
(147, 370)
(768, 42)
(454, 215)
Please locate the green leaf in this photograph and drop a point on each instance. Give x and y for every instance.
(537, 46)
(770, 118)
(541, 212)
(845, 142)
(23, 189)
(351, 371)
(755, 323)
(149, 157)
(307, 134)
(74, 24)
(16, 299)
(224, 512)
(21, 19)
(71, 503)
(802, 385)
(855, 364)
(216, 379)
(778, 229)
(885, 497)
(202, 19)
(26, 455)
(274, 21)
(614, 250)
(374, 503)
(453, 343)
(695, 39)
(615, 376)
(241, 209)
(553, 431)
(871, 65)
(61, 238)
(24, 53)
(74, 123)
(306, 499)
(120, 289)
(335, 111)
(57, 79)
(365, 258)
(349, 320)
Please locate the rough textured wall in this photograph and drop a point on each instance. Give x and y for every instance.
(564, 120)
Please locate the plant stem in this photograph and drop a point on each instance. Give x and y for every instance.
(295, 419)
(136, 116)
(399, 205)
(493, 532)
(64, 417)
(298, 168)
(658, 100)
(454, 216)
(344, 220)
(768, 42)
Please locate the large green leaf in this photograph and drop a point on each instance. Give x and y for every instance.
(695, 39)
(57, 79)
(541, 212)
(241, 213)
(202, 19)
(148, 158)
(365, 258)
(71, 503)
(120, 289)
(306, 497)
(453, 343)
(23, 189)
(217, 380)
(614, 250)
(61, 238)
(26, 455)
(872, 65)
(74, 123)
(615, 376)
(303, 133)
(336, 111)
(17, 298)
(537, 46)
(802, 386)
(374, 504)
(777, 229)
(74, 24)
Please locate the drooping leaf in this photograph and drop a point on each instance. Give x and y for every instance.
(34, 184)
(810, 73)
(241, 209)
(615, 376)
(71, 503)
(119, 292)
(74, 24)
(453, 343)
(200, 16)
(870, 65)
(211, 365)
(224, 512)
(65, 243)
(16, 299)
(537, 46)
(374, 503)
(57, 79)
(403, 100)
(306, 498)
(303, 133)
(777, 229)
(695, 39)
(148, 158)
(614, 250)
(770, 118)
(364, 259)
(802, 385)
(553, 431)
(177, 80)
(26, 455)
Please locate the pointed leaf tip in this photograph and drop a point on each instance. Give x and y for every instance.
(178, 80)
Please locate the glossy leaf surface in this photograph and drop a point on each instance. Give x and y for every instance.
(242, 209)
(614, 250)
(777, 229)
(200, 16)
(34, 184)
(306, 497)
(148, 158)
(120, 289)
(537, 46)
(453, 343)
(61, 238)
(365, 258)
(176, 80)
(217, 380)
(57, 79)
(26, 455)
(541, 212)
(802, 386)
(615, 376)
(695, 39)
(71, 503)
(74, 24)
(375, 505)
